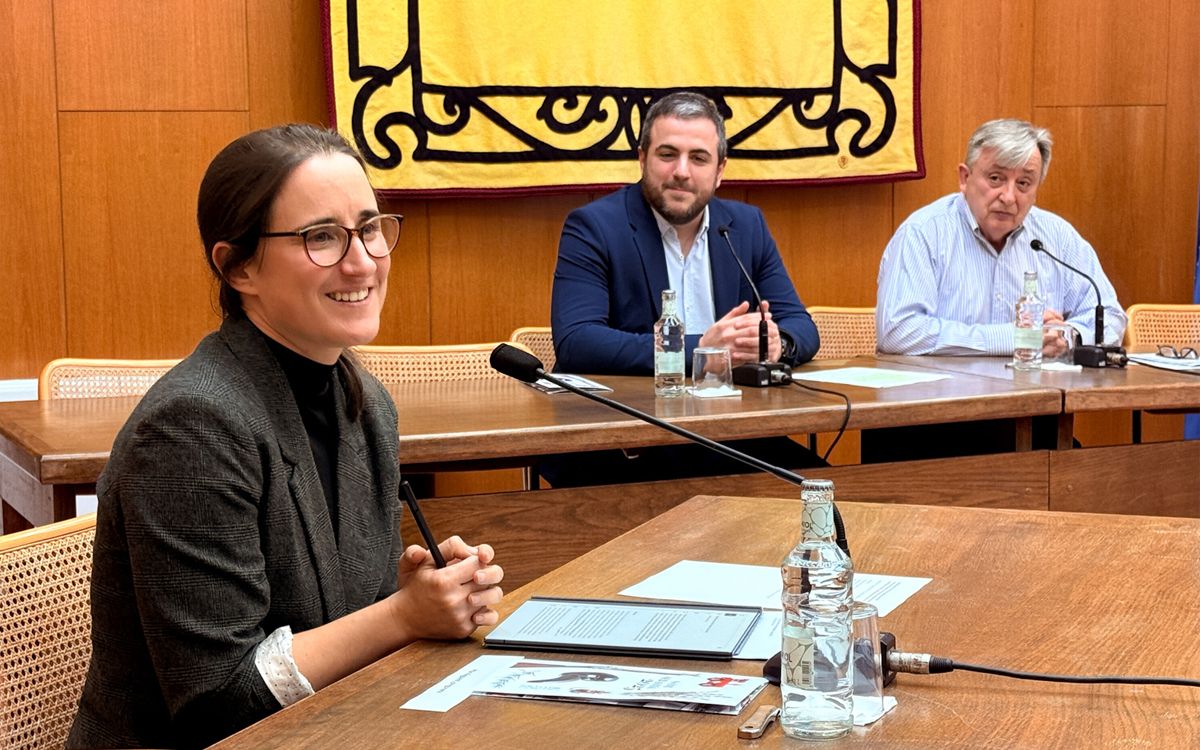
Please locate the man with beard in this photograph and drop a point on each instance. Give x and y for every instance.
(617, 254)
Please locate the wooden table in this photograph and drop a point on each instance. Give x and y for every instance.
(1091, 389)
(50, 450)
(1072, 593)
(444, 422)
(1161, 477)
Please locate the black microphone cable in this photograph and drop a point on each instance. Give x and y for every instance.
(913, 663)
(845, 417)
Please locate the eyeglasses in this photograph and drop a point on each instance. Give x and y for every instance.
(327, 244)
(1166, 350)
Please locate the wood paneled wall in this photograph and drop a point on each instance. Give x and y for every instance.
(115, 109)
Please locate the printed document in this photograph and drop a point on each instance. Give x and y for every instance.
(625, 627)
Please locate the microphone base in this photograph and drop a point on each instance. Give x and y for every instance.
(762, 374)
(1101, 356)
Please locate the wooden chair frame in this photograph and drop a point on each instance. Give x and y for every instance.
(417, 364)
(441, 362)
(538, 340)
(1154, 324)
(45, 626)
(72, 377)
(845, 331)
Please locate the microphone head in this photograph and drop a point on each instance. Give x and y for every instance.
(1038, 246)
(516, 363)
(723, 230)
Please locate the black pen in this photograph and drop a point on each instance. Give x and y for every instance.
(419, 517)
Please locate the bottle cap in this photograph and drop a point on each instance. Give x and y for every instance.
(817, 485)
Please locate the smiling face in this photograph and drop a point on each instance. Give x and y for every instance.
(999, 197)
(314, 311)
(680, 168)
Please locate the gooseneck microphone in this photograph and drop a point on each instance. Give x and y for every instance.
(521, 365)
(762, 373)
(1096, 355)
(723, 230)
(1040, 248)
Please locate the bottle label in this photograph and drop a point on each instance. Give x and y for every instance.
(816, 522)
(668, 363)
(798, 657)
(1028, 338)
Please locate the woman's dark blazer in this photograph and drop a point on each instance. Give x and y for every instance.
(213, 531)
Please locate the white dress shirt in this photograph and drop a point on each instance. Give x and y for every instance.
(690, 276)
(943, 289)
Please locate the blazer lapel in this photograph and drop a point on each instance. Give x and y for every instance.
(304, 484)
(648, 241)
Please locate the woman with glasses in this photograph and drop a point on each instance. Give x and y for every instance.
(247, 545)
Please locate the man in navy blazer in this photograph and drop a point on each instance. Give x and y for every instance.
(614, 255)
(668, 231)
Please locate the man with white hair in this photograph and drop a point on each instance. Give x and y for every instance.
(952, 273)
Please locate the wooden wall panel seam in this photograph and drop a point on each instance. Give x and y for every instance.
(62, 245)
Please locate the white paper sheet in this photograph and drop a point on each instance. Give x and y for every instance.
(713, 583)
(863, 717)
(870, 377)
(725, 391)
(545, 386)
(458, 687)
(1166, 363)
(759, 586)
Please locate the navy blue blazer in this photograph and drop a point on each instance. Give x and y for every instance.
(611, 272)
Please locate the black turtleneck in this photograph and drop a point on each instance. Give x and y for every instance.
(312, 386)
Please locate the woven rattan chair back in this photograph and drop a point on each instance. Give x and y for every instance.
(538, 340)
(1153, 325)
(845, 331)
(416, 364)
(94, 378)
(45, 629)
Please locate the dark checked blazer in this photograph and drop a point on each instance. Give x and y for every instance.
(213, 531)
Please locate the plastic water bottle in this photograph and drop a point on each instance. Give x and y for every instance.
(815, 676)
(1027, 339)
(668, 349)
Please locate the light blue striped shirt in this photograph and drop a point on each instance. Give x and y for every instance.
(690, 276)
(943, 289)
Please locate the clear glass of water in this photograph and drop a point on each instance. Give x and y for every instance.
(711, 371)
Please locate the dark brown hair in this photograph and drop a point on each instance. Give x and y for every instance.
(236, 196)
(685, 105)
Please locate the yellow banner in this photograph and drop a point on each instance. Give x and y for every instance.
(469, 96)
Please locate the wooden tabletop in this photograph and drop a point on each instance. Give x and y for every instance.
(67, 441)
(1071, 593)
(1091, 389)
(441, 422)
